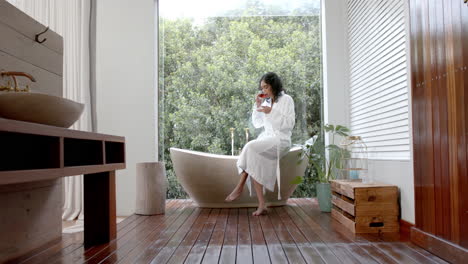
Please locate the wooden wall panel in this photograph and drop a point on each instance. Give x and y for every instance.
(26, 49)
(438, 36)
(463, 185)
(427, 148)
(46, 82)
(457, 120)
(440, 125)
(14, 18)
(417, 103)
(20, 52)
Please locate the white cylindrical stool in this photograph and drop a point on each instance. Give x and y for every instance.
(150, 188)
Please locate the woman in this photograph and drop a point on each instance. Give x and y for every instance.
(259, 161)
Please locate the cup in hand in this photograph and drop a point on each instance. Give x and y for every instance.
(265, 102)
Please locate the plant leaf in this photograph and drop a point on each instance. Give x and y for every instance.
(343, 134)
(340, 128)
(297, 180)
(329, 128)
(333, 147)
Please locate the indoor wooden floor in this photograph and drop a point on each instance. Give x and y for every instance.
(297, 233)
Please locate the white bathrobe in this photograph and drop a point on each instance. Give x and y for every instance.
(260, 157)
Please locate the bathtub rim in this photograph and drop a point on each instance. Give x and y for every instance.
(220, 156)
(204, 154)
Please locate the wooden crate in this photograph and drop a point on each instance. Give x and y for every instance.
(365, 208)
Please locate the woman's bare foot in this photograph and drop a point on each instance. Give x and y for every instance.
(234, 195)
(260, 211)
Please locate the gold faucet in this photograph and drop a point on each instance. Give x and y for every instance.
(13, 75)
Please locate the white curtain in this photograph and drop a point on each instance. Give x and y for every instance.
(71, 19)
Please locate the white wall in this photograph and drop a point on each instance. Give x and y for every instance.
(336, 104)
(399, 173)
(335, 63)
(125, 91)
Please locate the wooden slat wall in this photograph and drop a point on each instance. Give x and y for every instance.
(28, 27)
(463, 186)
(439, 32)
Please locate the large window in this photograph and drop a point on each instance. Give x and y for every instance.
(212, 54)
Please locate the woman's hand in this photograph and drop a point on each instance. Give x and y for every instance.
(264, 109)
(259, 100)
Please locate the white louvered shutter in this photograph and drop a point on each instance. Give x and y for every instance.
(378, 77)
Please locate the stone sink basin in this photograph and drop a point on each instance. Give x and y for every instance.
(40, 108)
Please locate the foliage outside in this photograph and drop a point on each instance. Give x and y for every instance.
(209, 76)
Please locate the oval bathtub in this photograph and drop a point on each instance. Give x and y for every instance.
(209, 178)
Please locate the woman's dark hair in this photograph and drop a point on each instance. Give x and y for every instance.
(274, 80)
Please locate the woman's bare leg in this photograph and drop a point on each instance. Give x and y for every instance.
(239, 188)
(261, 200)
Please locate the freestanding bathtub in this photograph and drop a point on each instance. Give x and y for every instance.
(209, 178)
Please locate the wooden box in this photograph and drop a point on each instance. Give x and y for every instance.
(365, 208)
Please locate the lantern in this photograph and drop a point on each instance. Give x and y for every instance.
(354, 160)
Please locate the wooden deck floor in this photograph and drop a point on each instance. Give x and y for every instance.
(297, 233)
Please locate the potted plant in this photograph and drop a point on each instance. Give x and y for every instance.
(324, 160)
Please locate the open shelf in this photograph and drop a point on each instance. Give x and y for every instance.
(27, 152)
(115, 152)
(82, 152)
(33, 152)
